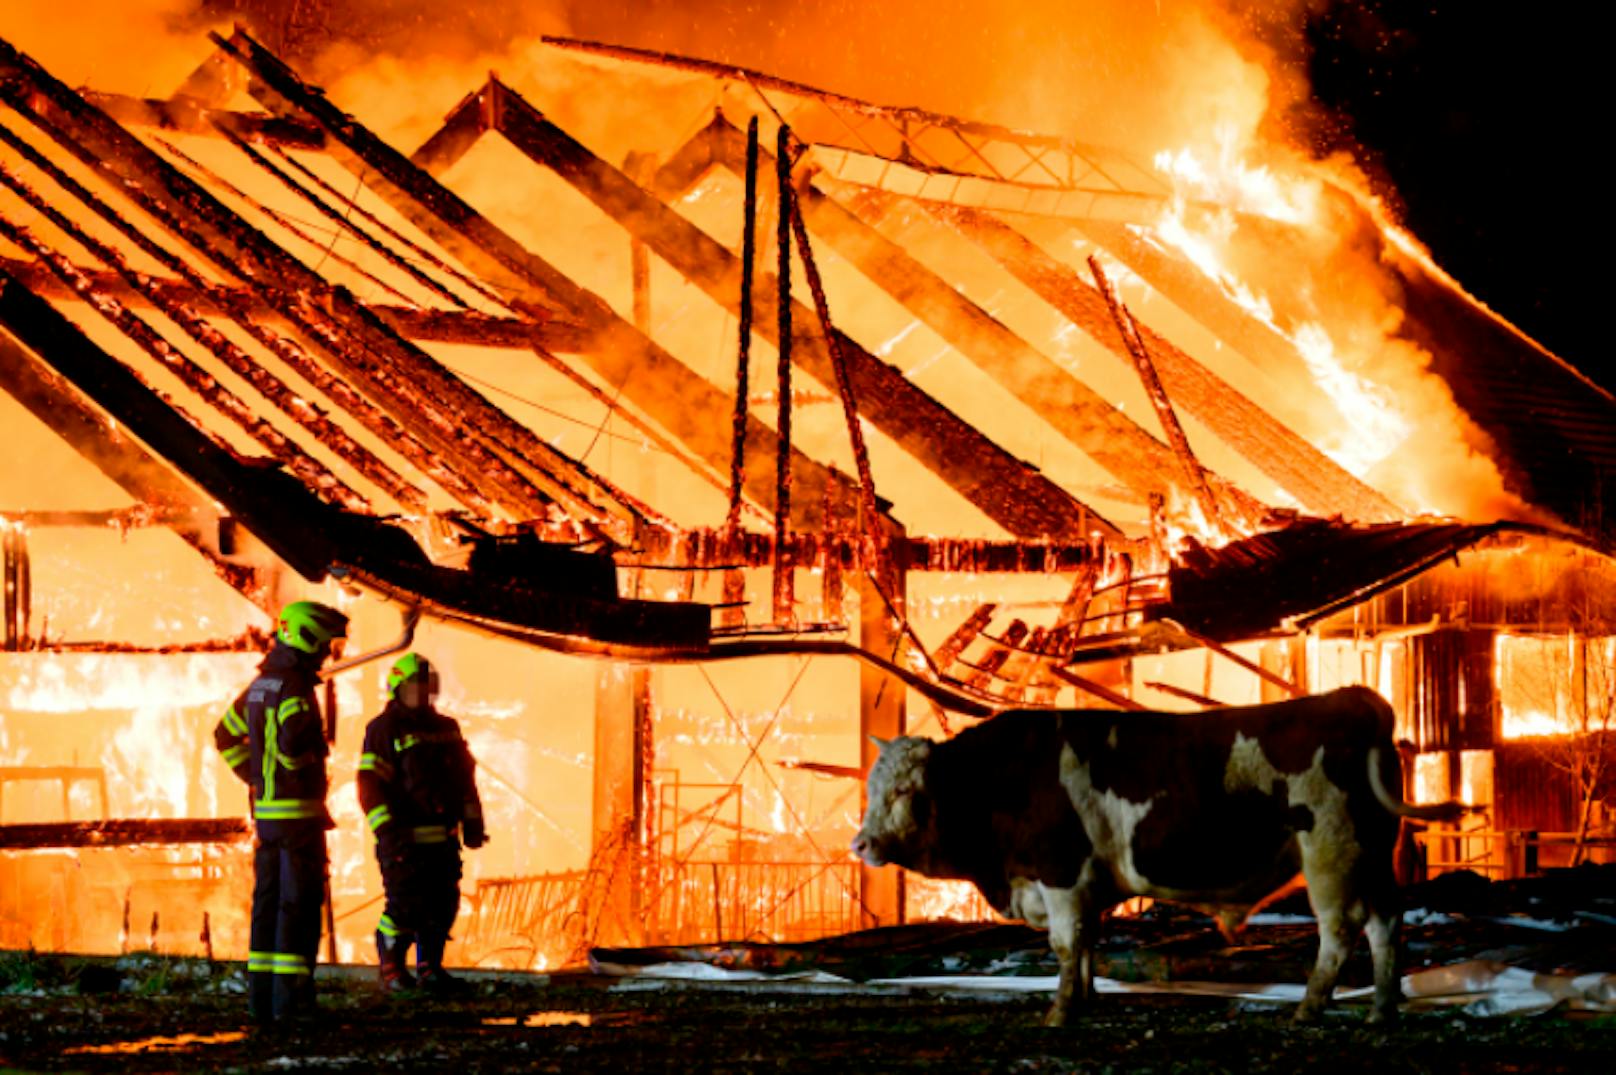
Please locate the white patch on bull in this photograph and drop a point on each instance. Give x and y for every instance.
(1330, 846)
(1027, 902)
(1108, 819)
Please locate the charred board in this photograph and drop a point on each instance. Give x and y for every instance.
(124, 832)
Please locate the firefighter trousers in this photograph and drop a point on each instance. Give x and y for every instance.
(422, 884)
(289, 875)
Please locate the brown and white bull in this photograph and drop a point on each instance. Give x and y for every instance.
(1058, 816)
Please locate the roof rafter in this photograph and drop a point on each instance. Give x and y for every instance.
(1009, 491)
(649, 376)
(1080, 414)
(1312, 477)
(503, 459)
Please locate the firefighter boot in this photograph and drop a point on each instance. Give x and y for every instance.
(392, 954)
(429, 967)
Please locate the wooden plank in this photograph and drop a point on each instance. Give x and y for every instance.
(125, 832)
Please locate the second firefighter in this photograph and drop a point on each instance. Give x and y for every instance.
(418, 789)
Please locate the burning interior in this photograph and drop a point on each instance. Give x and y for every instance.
(710, 447)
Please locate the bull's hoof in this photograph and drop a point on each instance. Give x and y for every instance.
(1385, 1018)
(1056, 1016)
(1307, 1014)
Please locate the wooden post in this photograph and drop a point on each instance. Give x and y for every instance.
(784, 596)
(881, 710)
(622, 705)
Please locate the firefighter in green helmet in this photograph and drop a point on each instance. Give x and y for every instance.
(418, 789)
(273, 738)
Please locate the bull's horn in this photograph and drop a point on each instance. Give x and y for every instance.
(880, 744)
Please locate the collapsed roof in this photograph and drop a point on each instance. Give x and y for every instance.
(274, 292)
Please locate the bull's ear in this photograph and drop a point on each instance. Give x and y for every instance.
(880, 744)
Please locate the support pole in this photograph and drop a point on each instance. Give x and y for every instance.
(622, 764)
(882, 699)
(784, 596)
(737, 464)
(870, 544)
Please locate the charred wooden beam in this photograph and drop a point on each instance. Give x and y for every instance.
(288, 452)
(421, 325)
(400, 378)
(124, 460)
(125, 832)
(60, 344)
(266, 384)
(1076, 411)
(250, 641)
(242, 307)
(1088, 686)
(678, 399)
(1253, 667)
(1006, 489)
(1182, 284)
(783, 572)
(1313, 478)
(1187, 695)
(1194, 472)
(465, 124)
(134, 517)
(417, 251)
(188, 115)
(344, 220)
(715, 549)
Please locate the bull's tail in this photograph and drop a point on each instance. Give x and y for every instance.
(1448, 811)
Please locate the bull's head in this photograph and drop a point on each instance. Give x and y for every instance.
(898, 820)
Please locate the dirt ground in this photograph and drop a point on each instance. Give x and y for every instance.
(582, 1022)
(143, 1012)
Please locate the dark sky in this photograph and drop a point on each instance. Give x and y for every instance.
(1490, 120)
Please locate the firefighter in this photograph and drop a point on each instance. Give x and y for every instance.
(417, 786)
(273, 737)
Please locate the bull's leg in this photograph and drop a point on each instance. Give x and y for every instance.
(1384, 929)
(1071, 935)
(1340, 913)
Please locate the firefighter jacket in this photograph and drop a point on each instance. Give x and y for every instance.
(417, 779)
(273, 738)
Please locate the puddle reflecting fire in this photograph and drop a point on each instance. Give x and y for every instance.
(178, 1043)
(543, 1019)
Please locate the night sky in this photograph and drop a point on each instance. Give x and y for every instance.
(1490, 121)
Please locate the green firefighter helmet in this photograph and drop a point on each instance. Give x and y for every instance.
(408, 667)
(310, 626)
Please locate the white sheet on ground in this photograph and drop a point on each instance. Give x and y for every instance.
(1475, 987)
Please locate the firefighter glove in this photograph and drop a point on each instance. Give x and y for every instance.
(473, 834)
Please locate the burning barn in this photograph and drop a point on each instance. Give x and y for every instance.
(710, 445)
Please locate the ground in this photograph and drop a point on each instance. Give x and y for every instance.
(852, 1004)
(577, 1023)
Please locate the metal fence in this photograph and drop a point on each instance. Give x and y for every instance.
(1505, 853)
(539, 921)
